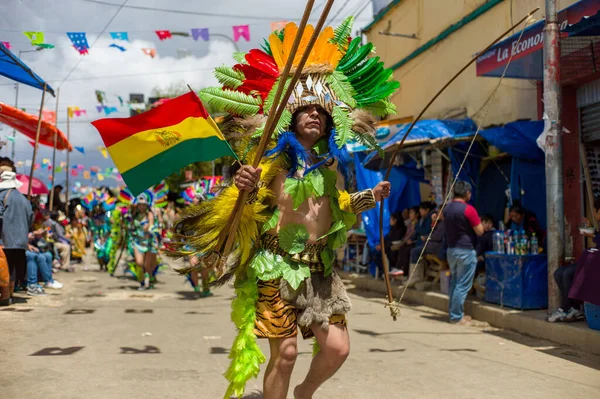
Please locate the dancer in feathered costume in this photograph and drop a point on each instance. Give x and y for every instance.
(295, 216)
(146, 234)
(120, 222)
(101, 204)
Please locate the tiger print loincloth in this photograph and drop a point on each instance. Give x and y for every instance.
(277, 318)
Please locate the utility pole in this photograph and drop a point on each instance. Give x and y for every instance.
(554, 157)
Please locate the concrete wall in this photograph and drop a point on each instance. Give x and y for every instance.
(423, 76)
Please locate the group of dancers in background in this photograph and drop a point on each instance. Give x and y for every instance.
(134, 230)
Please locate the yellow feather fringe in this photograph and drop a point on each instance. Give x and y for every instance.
(323, 52)
(344, 201)
(202, 224)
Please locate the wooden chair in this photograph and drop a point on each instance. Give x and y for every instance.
(433, 267)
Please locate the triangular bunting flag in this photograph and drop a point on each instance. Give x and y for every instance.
(79, 41)
(149, 51)
(240, 31)
(119, 36)
(36, 38)
(163, 34)
(103, 152)
(200, 33)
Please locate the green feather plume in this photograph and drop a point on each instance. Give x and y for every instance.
(234, 102)
(240, 57)
(381, 108)
(342, 88)
(229, 77)
(369, 141)
(343, 125)
(246, 356)
(342, 33)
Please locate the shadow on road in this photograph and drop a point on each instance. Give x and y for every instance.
(377, 350)
(550, 348)
(253, 395)
(377, 334)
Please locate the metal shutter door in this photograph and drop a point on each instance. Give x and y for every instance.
(590, 123)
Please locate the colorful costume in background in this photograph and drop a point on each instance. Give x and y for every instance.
(150, 240)
(282, 281)
(102, 205)
(120, 222)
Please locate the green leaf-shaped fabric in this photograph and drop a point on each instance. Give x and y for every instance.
(328, 257)
(272, 222)
(318, 182)
(293, 238)
(299, 189)
(295, 274)
(267, 266)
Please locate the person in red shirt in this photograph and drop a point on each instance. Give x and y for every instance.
(462, 228)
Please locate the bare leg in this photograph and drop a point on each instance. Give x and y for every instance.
(334, 349)
(194, 278)
(279, 369)
(149, 266)
(205, 284)
(139, 264)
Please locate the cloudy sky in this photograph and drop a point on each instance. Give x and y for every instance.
(121, 73)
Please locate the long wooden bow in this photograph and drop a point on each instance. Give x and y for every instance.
(394, 306)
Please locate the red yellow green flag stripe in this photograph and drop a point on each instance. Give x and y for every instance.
(150, 146)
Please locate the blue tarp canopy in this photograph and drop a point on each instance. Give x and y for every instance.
(13, 68)
(424, 132)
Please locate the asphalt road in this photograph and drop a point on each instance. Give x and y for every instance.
(100, 338)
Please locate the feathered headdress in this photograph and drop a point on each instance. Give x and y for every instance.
(340, 75)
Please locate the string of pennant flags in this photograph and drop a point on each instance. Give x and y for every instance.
(80, 42)
(93, 172)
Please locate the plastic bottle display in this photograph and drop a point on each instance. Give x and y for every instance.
(534, 245)
(498, 241)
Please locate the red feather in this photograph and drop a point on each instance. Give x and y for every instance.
(262, 61)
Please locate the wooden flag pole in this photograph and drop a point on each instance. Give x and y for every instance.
(37, 140)
(54, 150)
(68, 160)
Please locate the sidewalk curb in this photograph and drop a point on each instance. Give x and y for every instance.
(525, 322)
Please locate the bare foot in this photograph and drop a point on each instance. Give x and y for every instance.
(297, 394)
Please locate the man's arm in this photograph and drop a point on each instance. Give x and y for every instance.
(474, 221)
(367, 199)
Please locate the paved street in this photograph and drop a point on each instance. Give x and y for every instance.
(101, 338)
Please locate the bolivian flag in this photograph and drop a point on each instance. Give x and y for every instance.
(150, 146)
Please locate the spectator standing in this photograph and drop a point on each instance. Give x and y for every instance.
(16, 223)
(407, 244)
(57, 204)
(462, 226)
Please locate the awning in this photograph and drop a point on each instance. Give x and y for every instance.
(425, 133)
(13, 68)
(527, 54)
(27, 124)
